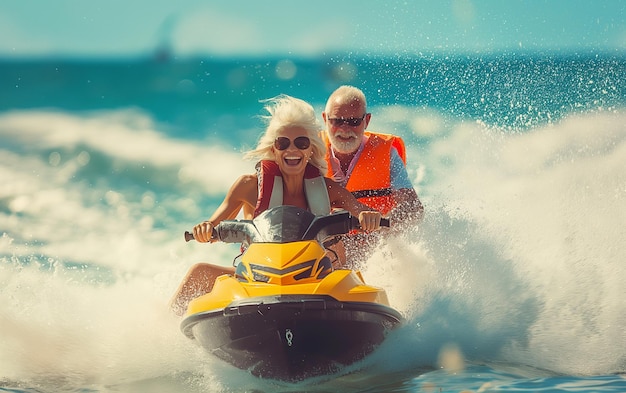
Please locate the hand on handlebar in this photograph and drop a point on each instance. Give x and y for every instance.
(203, 232)
(369, 220)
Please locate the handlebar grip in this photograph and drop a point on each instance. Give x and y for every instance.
(354, 222)
(189, 236)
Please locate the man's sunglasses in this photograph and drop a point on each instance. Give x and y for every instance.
(351, 121)
(301, 142)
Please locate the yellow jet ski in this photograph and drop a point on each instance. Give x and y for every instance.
(286, 314)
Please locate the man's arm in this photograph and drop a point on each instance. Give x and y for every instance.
(408, 208)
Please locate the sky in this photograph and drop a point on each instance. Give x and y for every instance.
(121, 28)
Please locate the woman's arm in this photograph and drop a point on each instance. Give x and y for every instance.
(242, 194)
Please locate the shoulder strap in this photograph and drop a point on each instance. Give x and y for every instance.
(270, 187)
(396, 142)
(317, 196)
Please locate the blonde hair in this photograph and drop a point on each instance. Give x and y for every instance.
(286, 111)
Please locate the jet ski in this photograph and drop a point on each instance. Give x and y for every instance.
(286, 314)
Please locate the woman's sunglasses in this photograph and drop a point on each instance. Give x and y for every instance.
(301, 142)
(351, 121)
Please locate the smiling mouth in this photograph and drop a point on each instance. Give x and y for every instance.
(292, 161)
(345, 136)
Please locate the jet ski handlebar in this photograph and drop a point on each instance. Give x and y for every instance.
(275, 226)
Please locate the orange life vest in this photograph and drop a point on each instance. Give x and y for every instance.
(271, 188)
(370, 180)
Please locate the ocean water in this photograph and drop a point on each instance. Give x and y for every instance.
(512, 283)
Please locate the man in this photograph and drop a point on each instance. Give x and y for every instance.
(370, 165)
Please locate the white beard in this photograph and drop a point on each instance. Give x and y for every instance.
(345, 146)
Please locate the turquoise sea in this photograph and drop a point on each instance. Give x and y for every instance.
(514, 282)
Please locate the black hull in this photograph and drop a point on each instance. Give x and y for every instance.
(291, 338)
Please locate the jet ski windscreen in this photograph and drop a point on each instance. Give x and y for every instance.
(283, 224)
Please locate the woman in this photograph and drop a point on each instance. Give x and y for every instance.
(292, 155)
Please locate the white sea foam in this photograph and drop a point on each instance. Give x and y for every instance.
(523, 245)
(519, 258)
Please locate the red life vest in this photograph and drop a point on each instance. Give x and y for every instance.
(370, 180)
(271, 188)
